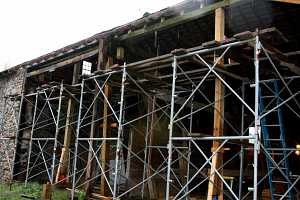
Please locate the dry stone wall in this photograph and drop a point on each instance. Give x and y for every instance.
(11, 85)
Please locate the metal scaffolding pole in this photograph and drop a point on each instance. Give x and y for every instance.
(120, 130)
(76, 142)
(174, 65)
(56, 133)
(177, 148)
(257, 118)
(173, 117)
(31, 135)
(38, 123)
(242, 146)
(189, 147)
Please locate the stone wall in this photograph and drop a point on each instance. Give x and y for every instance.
(11, 84)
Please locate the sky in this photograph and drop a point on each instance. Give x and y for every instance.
(31, 28)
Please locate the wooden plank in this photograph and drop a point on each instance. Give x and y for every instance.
(288, 1)
(88, 175)
(47, 191)
(104, 157)
(64, 63)
(151, 186)
(101, 54)
(281, 58)
(63, 166)
(215, 185)
(273, 36)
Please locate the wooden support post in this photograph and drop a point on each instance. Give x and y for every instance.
(215, 186)
(120, 53)
(105, 133)
(95, 114)
(62, 171)
(151, 107)
(47, 191)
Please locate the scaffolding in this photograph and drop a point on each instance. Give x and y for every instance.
(107, 158)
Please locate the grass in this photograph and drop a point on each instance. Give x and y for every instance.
(16, 190)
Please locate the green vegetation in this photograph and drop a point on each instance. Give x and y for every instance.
(15, 191)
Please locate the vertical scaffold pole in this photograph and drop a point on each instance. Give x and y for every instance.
(56, 133)
(257, 119)
(120, 129)
(242, 146)
(189, 147)
(31, 135)
(76, 142)
(174, 65)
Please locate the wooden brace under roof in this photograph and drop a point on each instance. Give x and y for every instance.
(288, 1)
(157, 61)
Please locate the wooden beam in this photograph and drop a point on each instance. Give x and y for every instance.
(288, 1)
(62, 171)
(151, 101)
(292, 53)
(69, 61)
(111, 125)
(281, 58)
(47, 191)
(104, 157)
(215, 185)
(168, 23)
(88, 175)
(294, 68)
